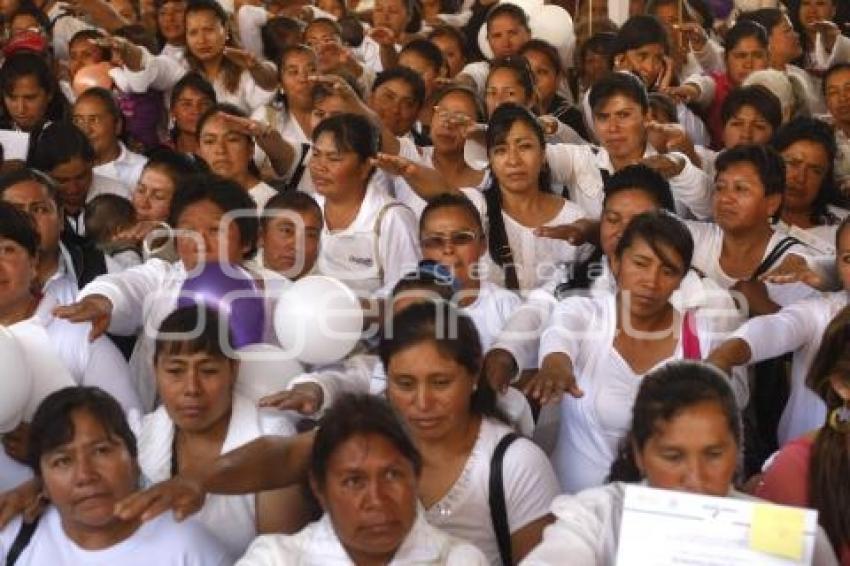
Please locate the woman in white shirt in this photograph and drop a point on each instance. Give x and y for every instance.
(364, 470)
(82, 449)
(369, 238)
(518, 202)
(228, 150)
(685, 436)
(598, 348)
(200, 417)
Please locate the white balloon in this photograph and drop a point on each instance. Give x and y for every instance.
(15, 382)
(265, 369)
(318, 320)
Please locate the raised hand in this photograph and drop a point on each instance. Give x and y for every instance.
(498, 369)
(553, 380)
(394, 164)
(183, 495)
(96, 309)
(242, 58)
(305, 398)
(383, 36)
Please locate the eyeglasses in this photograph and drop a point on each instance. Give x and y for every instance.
(90, 120)
(439, 241)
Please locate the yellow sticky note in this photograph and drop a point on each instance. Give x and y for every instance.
(778, 530)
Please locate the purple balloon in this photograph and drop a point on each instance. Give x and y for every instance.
(232, 292)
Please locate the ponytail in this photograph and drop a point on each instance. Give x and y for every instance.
(497, 241)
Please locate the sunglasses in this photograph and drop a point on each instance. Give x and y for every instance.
(439, 241)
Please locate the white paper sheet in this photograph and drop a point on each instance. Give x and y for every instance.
(15, 144)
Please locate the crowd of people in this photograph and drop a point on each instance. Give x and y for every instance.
(610, 251)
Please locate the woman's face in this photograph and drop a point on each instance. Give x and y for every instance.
(336, 172)
(17, 273)
(516, 162)
(226, 151)
(694, 451)
(196, 388)
(87, 476)
(452, 53)
(27, 102)
(842, 257)
(74, 178)
(747, 56)
(81, 53)
(451, 237)
(806, 167)
(746, 126)
(431, 391)
(740, 202)
(813, 11)
(188, 108)
(297, 68)
(391, 14)
(205, 35)
(445, 136)
(594, 66)
(646, 280)
(369, 493)
(838, 96)
(325, 108)
(171, 21)
(96, 121)
(152, 197)
(784, 45)
(422, 67)
(620, 124)
(503, 85)
(506, 35)
(618, 212)
(333, 7)
(545, 75)
(202, 238)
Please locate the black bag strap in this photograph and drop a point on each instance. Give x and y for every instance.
(299, 170)
(498, 508)
(22, 539)
(783, 246)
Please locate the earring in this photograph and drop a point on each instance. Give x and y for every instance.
(839, 419)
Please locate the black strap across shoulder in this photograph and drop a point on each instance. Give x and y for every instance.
(498, 508)
(783, 246)
(22, 539)
(299, 170)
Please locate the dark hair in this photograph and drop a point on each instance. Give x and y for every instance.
(273, 44)
(107, 99)
(359, 415)
(503, 119)
(91, 34)
(321, 91)
(639, 31)
(195, 81)
(12, 178)
(231, 71)
(429, 277)
(455, 337)
(107, 211)
(226, 195)
(519, 66)
(601, 43)
(661, 102)
(29, 9)
(700, 7)
(53, 425)
(818, 132)
(480, 113)
(836, 68)
(618, 83)
(768, 18)
(510, 10)
(298, 201)
(406, 75)
(829, 461)
(642, 178)
(176, 165)
(18, 226)
(138, 35)
(547, 50)
(657, 229)
(427, 51)
(756, 96)
(59, 143)
(664, 394)
(327, 22)
(351, 132)
(444, 30)
(30, 64)
(189, 330)
(451, 200)
(768, 164)
(742, 30)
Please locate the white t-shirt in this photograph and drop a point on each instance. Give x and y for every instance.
(126, 168)
(491, 311)
(262, 192)
(530, 486)
(161, 542)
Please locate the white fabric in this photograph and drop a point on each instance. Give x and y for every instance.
(250, 21)
(491, 310)
(262, 192)
(592, 426)
(478, 72)
(161, 541)
(62, 285)
(278, 117)
(820, 238)
(64, 28)
(368, 257)
(587, 530)
(317, 544)
(797, 328)
(231, 518)
(126, 168)
(530, 486)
